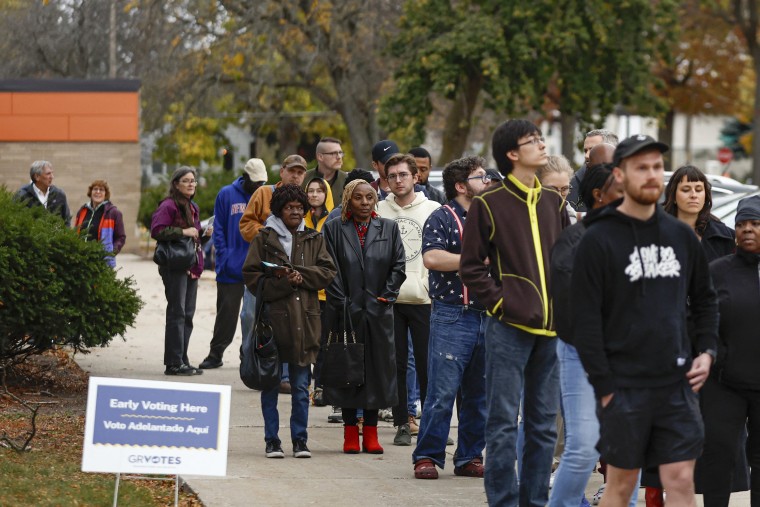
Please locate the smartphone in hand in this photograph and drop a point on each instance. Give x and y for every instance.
(275, 269)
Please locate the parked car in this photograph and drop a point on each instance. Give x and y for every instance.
(725, 209)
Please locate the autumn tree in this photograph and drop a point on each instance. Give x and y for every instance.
(331, 49)
(702, 78)
(743, 16)
(582, 57)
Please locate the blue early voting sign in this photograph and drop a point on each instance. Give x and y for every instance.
(141, 426)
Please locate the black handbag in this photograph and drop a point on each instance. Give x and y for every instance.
(177, 254)
(342, 356)
(259, 360)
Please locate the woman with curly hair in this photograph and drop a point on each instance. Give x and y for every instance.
(291, 306)
(100, 220)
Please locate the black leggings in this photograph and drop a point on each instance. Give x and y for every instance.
(350, 419)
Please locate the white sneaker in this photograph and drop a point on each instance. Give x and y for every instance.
(551, 480)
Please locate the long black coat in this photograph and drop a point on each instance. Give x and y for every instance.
(364, 274)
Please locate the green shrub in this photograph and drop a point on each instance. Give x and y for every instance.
(55, 287)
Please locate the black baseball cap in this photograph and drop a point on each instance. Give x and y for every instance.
(384, 150)
(633, 145)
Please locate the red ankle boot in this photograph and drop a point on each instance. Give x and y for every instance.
(653, 497)
(351, 439)
(369, 442)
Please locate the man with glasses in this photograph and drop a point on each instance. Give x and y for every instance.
(411, 313)
(457, 334)
(329, 164)
(508, 235)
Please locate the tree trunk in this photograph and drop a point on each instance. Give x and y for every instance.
(288, 135)
(687, 141)
(567, 122)
(756, 120)
(665, 135)
(459, 121)
(112, 41)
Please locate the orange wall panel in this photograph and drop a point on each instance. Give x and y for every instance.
(5, 103)
(34, 128)
(83, 103)
(104, 128)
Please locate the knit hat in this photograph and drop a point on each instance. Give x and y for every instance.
(748, 209)
(256, 170)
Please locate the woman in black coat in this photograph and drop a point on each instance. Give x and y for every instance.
(369, 255)
(733, 392)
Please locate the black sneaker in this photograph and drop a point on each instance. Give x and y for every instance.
(300, 450)
(274, 449)
(181, 370)
(197, 371)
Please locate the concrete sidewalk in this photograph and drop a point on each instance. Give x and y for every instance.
(329, 477)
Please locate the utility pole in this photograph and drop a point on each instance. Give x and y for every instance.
(112, 42)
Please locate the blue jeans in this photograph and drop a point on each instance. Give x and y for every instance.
(456, 359)
(581, 431)
(412, 386)
(247, 312)
(517, 360)
(299, 413)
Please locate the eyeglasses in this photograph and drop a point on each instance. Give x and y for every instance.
(188, 182)
(485, 178)
(336, 154)
(98, 189)
(398, 176)
(562, 190)
(533, 140)
(297, 209)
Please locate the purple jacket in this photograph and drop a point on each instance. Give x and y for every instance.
(167, 224)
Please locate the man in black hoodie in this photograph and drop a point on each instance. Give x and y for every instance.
(637, 266)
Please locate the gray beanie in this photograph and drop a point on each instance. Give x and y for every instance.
(748, 209)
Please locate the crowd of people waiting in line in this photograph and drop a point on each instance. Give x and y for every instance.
(654, 372)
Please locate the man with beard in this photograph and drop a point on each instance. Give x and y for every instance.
(637, 266)
(231, 250)
(424, 165)
(456, 350)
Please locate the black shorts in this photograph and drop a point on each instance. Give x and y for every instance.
(644, 427)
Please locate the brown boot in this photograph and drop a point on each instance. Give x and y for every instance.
(351, 439)
(369, 441)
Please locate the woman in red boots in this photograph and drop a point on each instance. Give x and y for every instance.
(369, 255)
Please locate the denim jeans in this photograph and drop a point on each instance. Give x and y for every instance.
(412, 386)
(581, 431)
(299, 413)
(247, 312)
(456, 360)
(517, 360)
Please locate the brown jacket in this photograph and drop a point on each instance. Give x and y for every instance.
(293, 312)
(514, 227)
(257, 211)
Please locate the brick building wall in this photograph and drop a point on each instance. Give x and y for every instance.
(88, 130)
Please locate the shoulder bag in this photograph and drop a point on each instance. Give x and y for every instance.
(259, 360)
